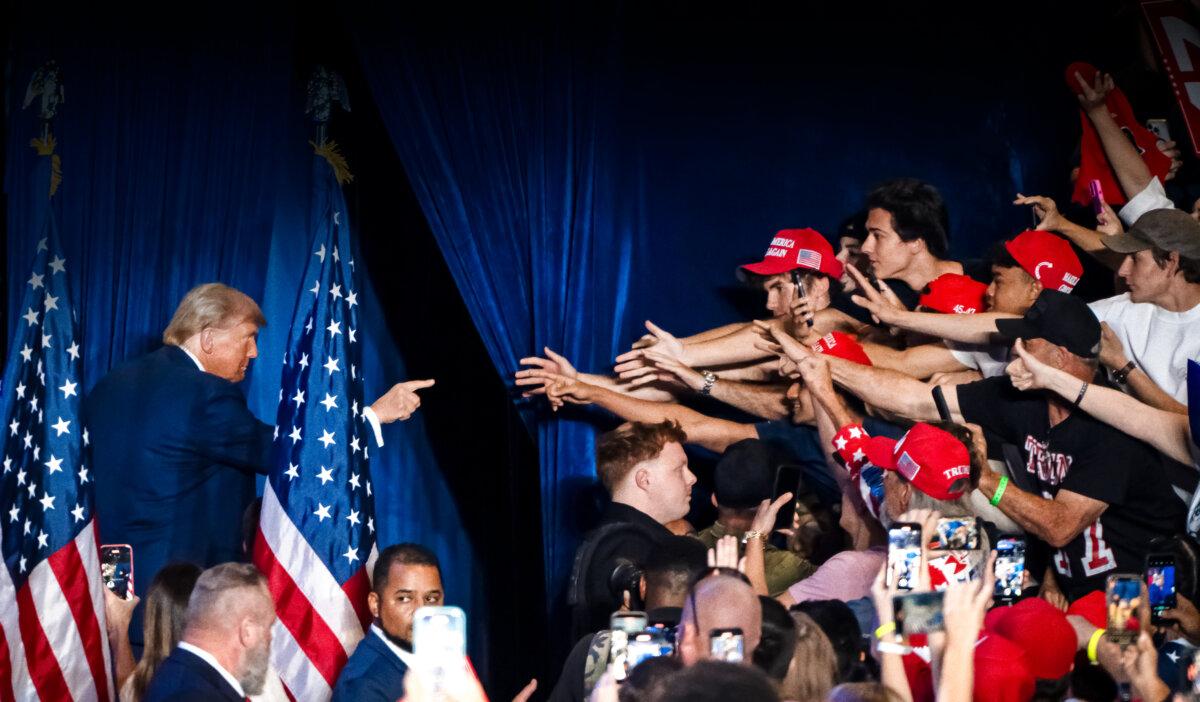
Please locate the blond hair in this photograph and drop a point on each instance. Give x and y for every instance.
(813, 669)
(211, 305)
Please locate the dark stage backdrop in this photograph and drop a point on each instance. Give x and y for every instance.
(185, 160)
(578, 171)
(585, 170)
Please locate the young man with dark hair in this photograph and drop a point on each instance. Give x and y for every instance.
(406, 577)
(908, 233)
(645, 472)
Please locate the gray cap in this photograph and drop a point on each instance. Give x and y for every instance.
(1168, 229)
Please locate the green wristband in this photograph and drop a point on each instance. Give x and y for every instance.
(1000, 486)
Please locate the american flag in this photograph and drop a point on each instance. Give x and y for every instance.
(53, 644)
(317, 531)
(809, 259)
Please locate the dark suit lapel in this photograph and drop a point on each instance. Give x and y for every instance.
(384, 651)
(210, 674)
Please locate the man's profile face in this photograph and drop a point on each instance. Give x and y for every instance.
(407, 588)
(780, 292)
(257, 659)
(1042, 350)
(1012, 290)
(227, 352)
(888, 253)
(1145, 279)
(670, 481)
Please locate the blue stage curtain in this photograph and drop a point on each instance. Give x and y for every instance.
(505, 143)
(185, 160)
(587, 168)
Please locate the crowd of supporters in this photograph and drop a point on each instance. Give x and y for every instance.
(936, 478)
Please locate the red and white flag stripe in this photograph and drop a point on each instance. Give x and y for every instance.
(52, 630)
(320, 622)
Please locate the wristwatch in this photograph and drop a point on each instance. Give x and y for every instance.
(753, 534)
(710, 379)
(1122, 375)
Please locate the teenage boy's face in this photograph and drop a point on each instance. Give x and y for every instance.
(888, 253)
(780, 291)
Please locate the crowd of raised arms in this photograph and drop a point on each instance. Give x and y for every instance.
(953, 479)
(935, 479)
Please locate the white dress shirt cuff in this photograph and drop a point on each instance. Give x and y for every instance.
(373, 420)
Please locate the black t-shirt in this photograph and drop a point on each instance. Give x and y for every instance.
(1090, 458)
(841, 301)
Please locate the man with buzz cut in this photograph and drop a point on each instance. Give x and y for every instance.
(406, 577)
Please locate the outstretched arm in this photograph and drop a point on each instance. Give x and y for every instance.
(1166, 431)
(702, 430)
(966, 328)
(1090, 240)
(1128, 165)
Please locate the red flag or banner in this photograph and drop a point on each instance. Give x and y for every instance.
(1178, 40)
(1093, 164)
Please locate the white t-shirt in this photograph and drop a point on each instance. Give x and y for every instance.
(1152, 197)
(1160, 342)
(989, 359)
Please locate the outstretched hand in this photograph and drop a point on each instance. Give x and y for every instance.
(400, 401)
(1092, 95)
(1049, 219)
(633, 364)
(1027, 372)
(879, 299)
(543, 371)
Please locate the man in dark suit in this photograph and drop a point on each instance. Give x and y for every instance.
(174, 447)
(406, 576)
(224, 653)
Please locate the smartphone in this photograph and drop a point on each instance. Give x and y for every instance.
(1159, 127)
(801, 291)
(956, 534)
(440, 633)
(918, 613)
(653, 642)
(904, 554)
(787, 479)
(1097, 193)
(116, 569)
(1123, 597)
(624, 626)
(727, 645)
(1160, 584)
(1010, 568)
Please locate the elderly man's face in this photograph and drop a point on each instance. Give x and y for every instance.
(227, 352)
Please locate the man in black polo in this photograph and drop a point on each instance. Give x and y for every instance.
(1094, 494)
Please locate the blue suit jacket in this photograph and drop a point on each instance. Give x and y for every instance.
(373, 674)
(174, 453)
(185, 677)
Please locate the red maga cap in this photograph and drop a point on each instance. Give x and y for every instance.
(843, 346)
(951, 293)
(797, 248)
(1048, 258)
(928, 457)
(1042, 630)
